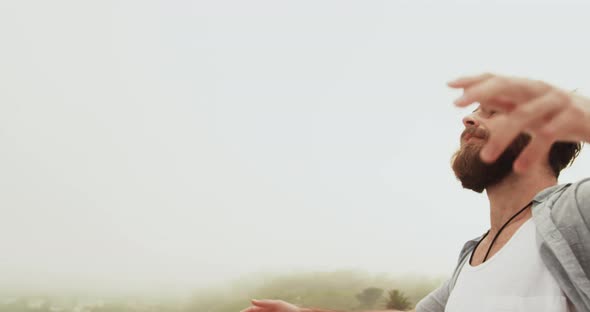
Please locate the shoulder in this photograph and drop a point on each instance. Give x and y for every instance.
(436, 301)
(578, 192)
(581, 191)
(572, 192)
(571, 204)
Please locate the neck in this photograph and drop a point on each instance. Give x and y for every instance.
(513, 193)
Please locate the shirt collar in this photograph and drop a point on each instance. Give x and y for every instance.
(547, 192)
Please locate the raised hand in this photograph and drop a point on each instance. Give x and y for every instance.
(547, 113)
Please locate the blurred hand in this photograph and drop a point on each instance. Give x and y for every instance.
(272, 306)
(547, 113)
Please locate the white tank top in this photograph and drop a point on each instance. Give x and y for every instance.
(513, 279)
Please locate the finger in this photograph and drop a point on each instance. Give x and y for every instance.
(534, 153)
(516, 89)
(535, 113)
(265, 303)
(466, 81)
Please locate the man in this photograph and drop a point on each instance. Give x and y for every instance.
(536, 254)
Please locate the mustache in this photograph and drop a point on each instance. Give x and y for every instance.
(476, 132)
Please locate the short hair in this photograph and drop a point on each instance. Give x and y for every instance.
(563, 154)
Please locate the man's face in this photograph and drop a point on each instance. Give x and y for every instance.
(473, 173)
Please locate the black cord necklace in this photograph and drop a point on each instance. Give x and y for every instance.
(497, 234)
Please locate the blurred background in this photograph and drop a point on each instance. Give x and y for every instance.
(191, 155)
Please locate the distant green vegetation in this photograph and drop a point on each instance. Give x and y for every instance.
(340, 290)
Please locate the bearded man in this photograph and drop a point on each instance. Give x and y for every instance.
(536, 254)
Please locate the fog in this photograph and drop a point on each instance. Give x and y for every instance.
(167, 146)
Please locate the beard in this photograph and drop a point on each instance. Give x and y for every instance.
(477, 175)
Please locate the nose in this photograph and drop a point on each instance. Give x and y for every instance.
(470, 121)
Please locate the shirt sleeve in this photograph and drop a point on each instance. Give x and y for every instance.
(436, 300)
(583, 199)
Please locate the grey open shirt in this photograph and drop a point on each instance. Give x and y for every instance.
(561, 214)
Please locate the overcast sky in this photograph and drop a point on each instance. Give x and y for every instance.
(152, 145)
